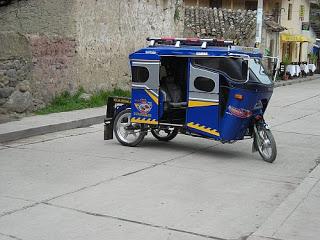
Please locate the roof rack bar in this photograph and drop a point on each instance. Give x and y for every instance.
(152, 43)
(201, 41)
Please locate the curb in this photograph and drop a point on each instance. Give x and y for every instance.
(35, 131)
(281, 214)
(295, 81)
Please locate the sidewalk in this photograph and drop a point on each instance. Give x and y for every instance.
(38, 125)
(297, 217)
(296, 80)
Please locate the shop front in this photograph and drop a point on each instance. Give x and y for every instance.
(294, 47)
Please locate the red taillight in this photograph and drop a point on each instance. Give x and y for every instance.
(168, 38)
(193, 40)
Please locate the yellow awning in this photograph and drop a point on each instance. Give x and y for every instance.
(294, 38)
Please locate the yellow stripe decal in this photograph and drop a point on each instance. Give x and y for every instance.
(194, 103)
(144, 120)
(203, 128)
(152, 95)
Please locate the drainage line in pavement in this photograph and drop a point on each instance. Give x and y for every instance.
(303, 100)
(123, 175)
(307, 115)
(304, 134)
(10, 236)
(135, 221)
(19, 209)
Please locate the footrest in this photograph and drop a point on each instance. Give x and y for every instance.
(178, 105)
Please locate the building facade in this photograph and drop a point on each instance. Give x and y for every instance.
(293, 41)
(297, 40)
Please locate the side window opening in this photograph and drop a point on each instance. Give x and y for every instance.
(204, 84)
(235, 68)
(140, 74)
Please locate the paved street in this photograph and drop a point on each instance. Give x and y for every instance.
(74, 185)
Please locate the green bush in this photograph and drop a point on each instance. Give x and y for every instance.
(66, 102)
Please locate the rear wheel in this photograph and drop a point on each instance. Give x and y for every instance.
(127, 133)
(265, 143)
(165, 134)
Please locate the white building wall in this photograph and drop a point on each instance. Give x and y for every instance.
(294, 26)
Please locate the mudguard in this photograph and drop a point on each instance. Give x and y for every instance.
(114, 106)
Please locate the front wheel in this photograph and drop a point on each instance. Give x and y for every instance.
(265, 143)
(127, 133)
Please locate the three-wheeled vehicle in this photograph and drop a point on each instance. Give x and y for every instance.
(199, 87)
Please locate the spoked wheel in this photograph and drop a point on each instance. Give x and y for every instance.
(127, 133)
(165, 134)
(265, 143)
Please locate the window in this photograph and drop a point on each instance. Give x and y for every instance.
(204, 84)
(251, 5)
(302, 12)
(140, 74)
(235, 68)
(290, 11)
(216, 3)
(276, 11)
(258, 72)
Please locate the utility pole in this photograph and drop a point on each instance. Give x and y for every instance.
(259, 23)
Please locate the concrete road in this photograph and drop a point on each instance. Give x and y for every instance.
(74, 185)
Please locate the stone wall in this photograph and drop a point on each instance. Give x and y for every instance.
(107, 31)
(39, 17)
(15, 73)
(53, 60)
(238, 25)
(36, 53)
(68, 44)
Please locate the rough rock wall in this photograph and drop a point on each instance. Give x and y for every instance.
(15, 73)
(236, 25)
(37, 49)
(39, 17)
(53, 60)
(107, 31)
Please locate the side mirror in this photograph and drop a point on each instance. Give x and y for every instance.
(245, 69)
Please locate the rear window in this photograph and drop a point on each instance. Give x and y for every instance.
(140, 74)
(235, 68)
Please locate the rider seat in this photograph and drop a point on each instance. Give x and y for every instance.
(171, 91)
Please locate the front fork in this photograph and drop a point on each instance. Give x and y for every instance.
(258, 122)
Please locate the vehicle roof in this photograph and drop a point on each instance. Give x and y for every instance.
(155, 52)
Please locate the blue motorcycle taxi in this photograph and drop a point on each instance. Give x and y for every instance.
(205, 88)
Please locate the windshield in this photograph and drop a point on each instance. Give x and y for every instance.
(258, 72)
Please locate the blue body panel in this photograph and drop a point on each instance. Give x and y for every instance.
(204, 121)
(238, 114)
(143, 106)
